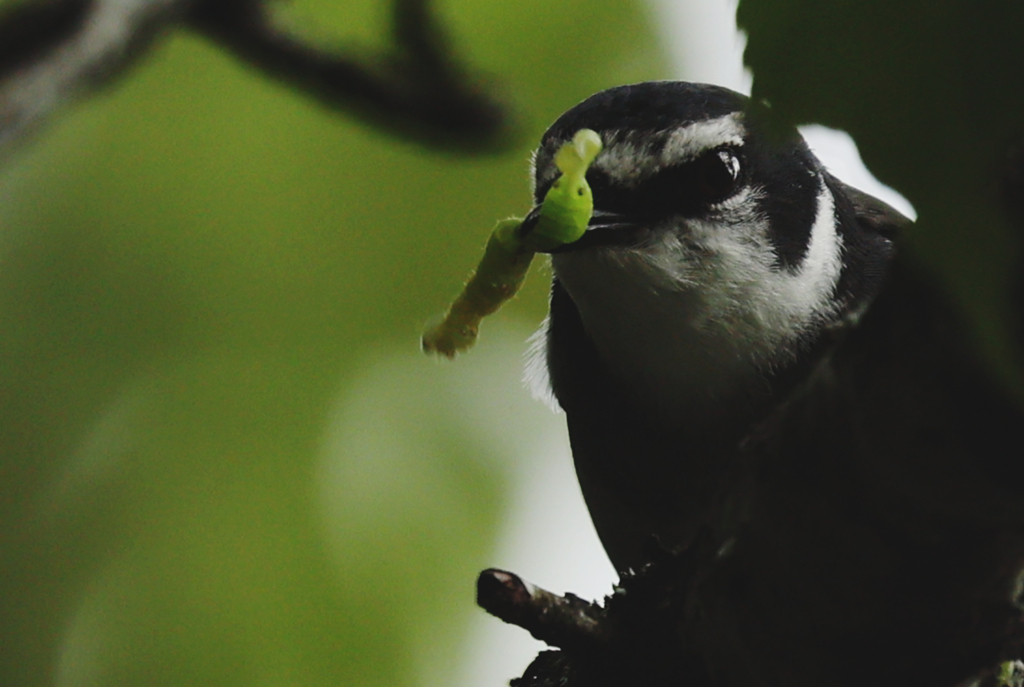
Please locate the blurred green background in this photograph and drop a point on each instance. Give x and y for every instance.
(224, 459)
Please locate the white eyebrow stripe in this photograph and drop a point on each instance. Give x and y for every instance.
(687, 142)
(625, 162)
(628, 159)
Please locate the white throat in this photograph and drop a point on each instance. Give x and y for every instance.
(699, 313)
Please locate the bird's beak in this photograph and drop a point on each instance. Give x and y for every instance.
(602, 220)
(604, 228)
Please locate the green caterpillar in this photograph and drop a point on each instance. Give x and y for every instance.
(562, 218)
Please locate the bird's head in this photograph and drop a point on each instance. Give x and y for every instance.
(718, 250)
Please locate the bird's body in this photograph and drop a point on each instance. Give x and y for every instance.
(740, 355)
(720, 261)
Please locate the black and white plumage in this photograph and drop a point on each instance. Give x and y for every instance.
(719, 259)
(743, 360)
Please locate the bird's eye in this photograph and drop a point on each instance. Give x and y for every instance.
(718, 174)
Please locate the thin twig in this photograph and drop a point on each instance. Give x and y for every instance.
(415, 90)
(567, 622)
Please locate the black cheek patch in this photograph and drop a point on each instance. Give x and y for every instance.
(792, 184)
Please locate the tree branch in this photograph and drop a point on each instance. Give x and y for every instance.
(636, 638)
(567, 622)
(52, 51)
(56, 50)
(416, 91)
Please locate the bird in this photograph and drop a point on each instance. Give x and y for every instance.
(743, 356)
(721, 257)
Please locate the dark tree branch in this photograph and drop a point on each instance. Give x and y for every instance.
(55, 50)
(417, 31)
(29, 31)
(416, 91)
(567, 622)
(636, 638)
(52, 51)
